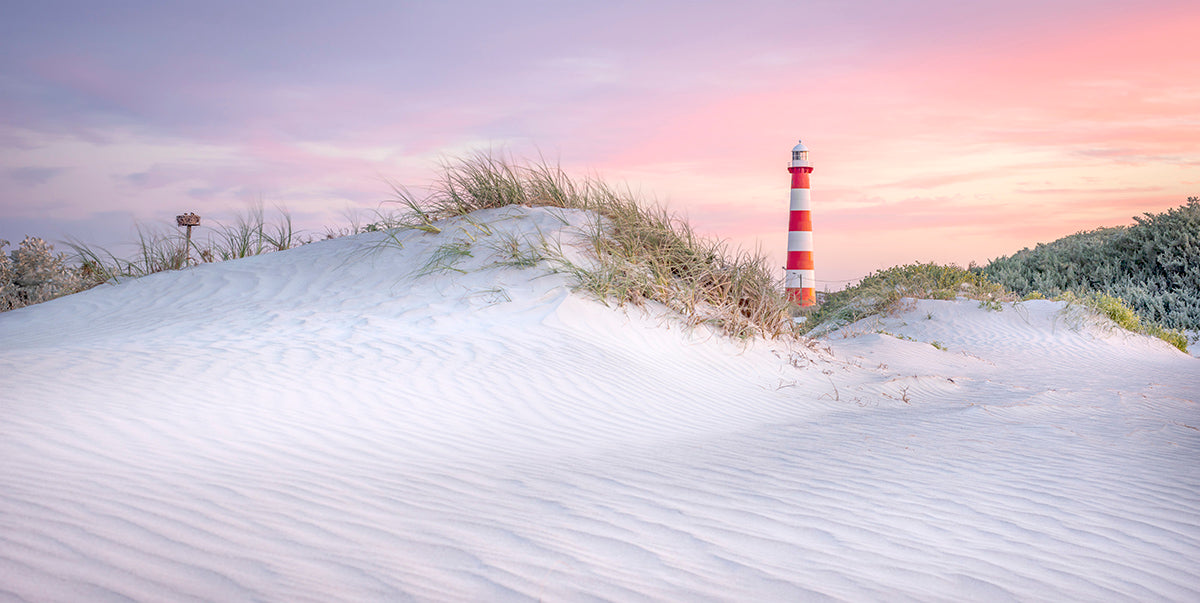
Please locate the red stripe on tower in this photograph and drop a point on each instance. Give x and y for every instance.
(801, 280)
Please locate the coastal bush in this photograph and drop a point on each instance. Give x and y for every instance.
(33, 273)
(1153, 266)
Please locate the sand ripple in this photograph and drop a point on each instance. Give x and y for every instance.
(315, 426)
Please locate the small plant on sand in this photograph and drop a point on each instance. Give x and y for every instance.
(446, 256)
(519, 252)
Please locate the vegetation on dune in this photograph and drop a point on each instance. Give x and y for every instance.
(881, 291)
(1142, 277)
(33, 273)
(1153, 266)
(1118, 311)
(641, 251)
(1145, 278)
(158, 250)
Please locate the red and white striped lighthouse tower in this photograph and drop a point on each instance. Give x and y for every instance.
(801, 280)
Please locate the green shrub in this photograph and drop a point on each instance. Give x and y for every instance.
(1153, 266)
(1116, 310)
(1172, 336)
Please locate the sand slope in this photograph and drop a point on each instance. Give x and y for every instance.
(330, 423)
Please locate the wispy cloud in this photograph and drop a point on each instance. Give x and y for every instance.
(32, 176)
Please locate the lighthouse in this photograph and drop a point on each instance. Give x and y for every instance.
(801, 280)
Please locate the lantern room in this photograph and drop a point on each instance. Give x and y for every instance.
(800, 155)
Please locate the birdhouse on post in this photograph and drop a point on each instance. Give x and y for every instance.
(189, 219)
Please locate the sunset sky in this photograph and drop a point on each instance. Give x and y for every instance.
(939, 130)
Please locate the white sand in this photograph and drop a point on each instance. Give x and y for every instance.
(322, 424)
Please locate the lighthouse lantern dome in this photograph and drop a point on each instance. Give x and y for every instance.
(800, 155)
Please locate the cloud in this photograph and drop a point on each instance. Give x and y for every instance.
(33, 176)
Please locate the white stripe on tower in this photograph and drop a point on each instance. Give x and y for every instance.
(801, 280)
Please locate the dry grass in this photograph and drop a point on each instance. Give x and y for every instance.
(160, 250)
(641, 251)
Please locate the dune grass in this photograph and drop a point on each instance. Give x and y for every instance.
(641, 251)
(880, 292)
(160, 250)
(1119, 312)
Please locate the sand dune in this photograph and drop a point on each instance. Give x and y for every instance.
(341, 422)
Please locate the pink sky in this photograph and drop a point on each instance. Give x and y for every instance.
(939, 130)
